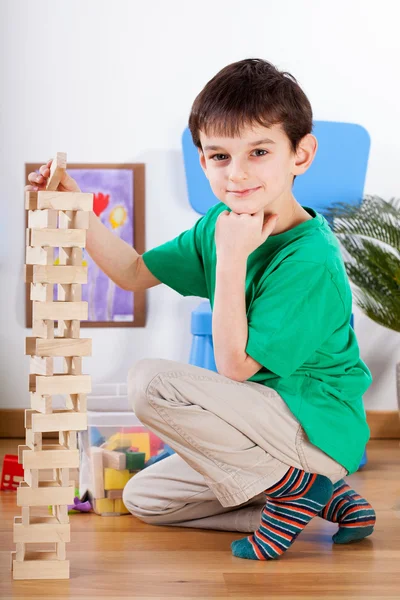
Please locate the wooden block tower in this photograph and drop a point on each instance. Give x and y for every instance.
(55, 220)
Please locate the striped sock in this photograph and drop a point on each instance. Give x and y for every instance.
(355, 516)
(291, 504)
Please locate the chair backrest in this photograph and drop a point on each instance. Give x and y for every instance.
(337, 173)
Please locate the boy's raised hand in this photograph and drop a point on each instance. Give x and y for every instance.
(238, 235)
(38, 181)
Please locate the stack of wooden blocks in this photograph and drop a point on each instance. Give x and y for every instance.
(55, 220)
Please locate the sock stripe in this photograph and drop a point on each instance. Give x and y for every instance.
(358, 524)
(290, 506)
(282, 482)
(262, 539)
(351, 511)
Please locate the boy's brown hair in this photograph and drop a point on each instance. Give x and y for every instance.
(248, 92)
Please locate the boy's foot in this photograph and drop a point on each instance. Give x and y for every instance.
(291, 504)
(355, 516)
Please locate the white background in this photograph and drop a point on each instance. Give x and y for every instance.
(114, 82)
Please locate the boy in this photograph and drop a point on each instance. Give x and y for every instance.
(275, 430)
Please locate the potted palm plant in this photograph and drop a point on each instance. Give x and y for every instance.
(370, 235)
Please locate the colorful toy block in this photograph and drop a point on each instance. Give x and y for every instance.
(115, 480)
(135, 460)
(12, 473)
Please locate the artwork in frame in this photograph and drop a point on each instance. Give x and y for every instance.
(119, 202)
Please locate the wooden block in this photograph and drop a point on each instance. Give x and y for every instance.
(63, 200)
(55, 274)
(58, 347)
(20, 555)
(21, 448)
(56, 238)
(77, 402)
(114, 494)
(41, 292)
(42, 404)
(69, 292)
(43, 328)
(35, 256)
(62, 513)
(60, 551)
(97, 470)
(41, 365)
(31, 477)
(52, 456)
(114, 460)
(31, 200)
(64, 311)
(68, 439)
(70, 256)
(33, 440)
(57, 170)
(60, 384)
(69, 219)
(103, 505)
(59, 421)
(41, 530)
(42, 219)
(70, 329)
(115, 480)
(120, 507)
(48, 492)
(41, 565)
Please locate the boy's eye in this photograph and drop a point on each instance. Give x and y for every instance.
(220, 157)
(217, 157)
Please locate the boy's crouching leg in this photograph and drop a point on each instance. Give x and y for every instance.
(139, 377)
(141, 498)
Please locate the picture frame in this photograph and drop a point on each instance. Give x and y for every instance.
(119, 201)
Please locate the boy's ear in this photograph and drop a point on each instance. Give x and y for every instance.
(202, 161)
(305, 154)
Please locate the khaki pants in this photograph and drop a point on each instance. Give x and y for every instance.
(232, 441)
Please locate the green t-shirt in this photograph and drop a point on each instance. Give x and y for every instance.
(298, 306)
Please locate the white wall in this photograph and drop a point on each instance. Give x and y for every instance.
(114, 82)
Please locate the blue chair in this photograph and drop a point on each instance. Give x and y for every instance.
(337, 174)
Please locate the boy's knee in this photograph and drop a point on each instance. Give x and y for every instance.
(140, 498)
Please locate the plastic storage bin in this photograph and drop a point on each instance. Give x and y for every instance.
(114, 448)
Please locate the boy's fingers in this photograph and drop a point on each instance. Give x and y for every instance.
(32, 177)
(44, 170)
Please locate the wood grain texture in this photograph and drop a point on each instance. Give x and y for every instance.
(122, 557)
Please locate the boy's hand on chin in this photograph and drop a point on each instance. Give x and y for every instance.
(237, 236)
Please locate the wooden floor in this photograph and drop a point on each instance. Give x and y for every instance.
(121, 557)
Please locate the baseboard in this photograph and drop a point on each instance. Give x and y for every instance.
(384, 424)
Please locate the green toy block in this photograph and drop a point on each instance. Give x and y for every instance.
(135, 460)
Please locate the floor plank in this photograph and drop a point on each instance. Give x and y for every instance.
(121, 557)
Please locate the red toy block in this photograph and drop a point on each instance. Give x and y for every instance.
(11, 469)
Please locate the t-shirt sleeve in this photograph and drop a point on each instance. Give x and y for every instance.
(179, 263)
(296, 309)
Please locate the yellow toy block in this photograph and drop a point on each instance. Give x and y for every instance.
(120, 507)
(124, 440)
(142, 442)
(103, 505)
(118, 440)
(116, 480)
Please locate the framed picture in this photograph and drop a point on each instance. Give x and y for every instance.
(119, 202)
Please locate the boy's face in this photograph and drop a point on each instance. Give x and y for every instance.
(254, 171)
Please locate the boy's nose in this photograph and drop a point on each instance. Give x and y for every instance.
(237, 172)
